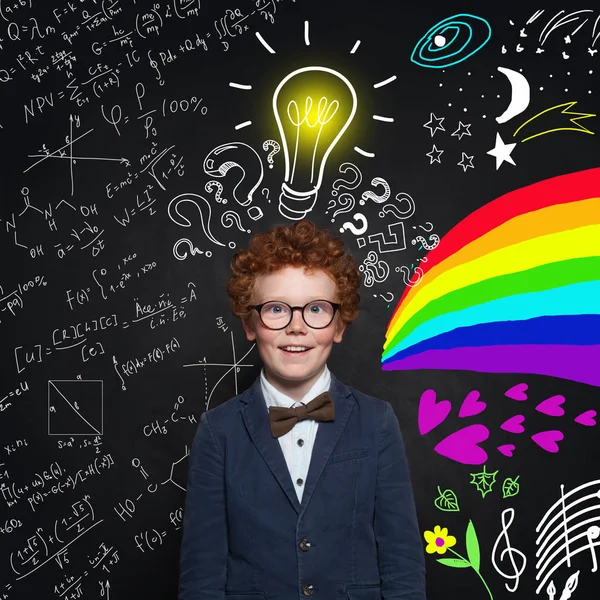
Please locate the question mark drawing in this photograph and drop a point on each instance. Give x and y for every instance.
(433, 238)
(276, 149)
(347, 203)
(193, 249)
(225, 157)
(201, 204)
(265, 195)
(401, 197)
(407, 278)
(374, 269)
(352, 227)
(230, 218)
(215, 184)
(330, 205)
(382, 296)
(349, 185)
(423, 228)
(370, 195)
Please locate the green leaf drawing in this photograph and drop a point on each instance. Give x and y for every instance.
(447, 501)
(484, 481)
(510, 487)
(472, 559)
(472, 544)
(458, 563)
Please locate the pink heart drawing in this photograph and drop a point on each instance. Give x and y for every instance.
(586, 418)
(432, 413)
(470, 406)
(507, 449)
(513, 425)
(517, 392)
(548, 439)
(462, 447)
(551, 406)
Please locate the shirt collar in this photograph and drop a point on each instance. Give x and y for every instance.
(273, 397)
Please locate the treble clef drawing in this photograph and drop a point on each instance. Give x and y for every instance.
(510, 551)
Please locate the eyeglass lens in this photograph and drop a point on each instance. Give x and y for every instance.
(316, 314)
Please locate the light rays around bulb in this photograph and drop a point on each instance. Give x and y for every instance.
(355, 47)
(242, 125)
(307, 42)
(262, 40)
(364, 152)
(385, 81)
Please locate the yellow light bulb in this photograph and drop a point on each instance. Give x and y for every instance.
(313, 107)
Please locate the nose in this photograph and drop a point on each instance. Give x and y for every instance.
(297, 323)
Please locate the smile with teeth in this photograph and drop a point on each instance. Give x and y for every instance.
(295, 349)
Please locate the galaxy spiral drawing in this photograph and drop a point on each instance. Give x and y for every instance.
(455, 153)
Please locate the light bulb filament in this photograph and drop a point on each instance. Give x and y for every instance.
(325, 112)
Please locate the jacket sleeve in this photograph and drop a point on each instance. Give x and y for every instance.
(399, 547)
(204, 548)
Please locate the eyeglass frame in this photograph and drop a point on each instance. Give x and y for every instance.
(258, 308)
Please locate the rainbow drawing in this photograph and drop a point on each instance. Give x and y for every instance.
(513, 288)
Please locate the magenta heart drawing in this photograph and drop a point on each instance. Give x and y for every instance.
(471, 405)
(462, 445)
(517, 392)
(551, 406)
(548, 440)
(514, 424)
(431, 412)
(507, 449)
(587, 418)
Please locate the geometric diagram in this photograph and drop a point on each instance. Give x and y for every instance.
(75, 407)
(233, 367)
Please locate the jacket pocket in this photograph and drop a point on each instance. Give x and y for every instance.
(346, 456)
(365, 592)
(244, 595)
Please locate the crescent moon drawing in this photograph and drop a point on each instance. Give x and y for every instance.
(520, 95)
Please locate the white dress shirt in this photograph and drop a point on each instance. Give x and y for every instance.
(297, 444)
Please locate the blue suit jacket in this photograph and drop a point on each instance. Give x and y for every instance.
(354, 536)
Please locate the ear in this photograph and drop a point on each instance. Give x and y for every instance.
(339, 332)
(249, 329)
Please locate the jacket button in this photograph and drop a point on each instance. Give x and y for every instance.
(304, 544)
(307, 590)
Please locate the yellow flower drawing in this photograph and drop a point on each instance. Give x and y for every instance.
(438, 540)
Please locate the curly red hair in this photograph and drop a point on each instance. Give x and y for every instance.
(299, 245)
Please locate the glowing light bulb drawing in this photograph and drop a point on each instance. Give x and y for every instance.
(309, 130)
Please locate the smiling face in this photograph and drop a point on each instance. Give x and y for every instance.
(294, 374)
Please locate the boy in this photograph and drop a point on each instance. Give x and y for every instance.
(299, 486)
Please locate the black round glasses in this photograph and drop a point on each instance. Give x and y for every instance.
(317, 314)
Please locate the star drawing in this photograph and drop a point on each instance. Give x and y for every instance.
(501, 152)
(466, 161)
(434, 124)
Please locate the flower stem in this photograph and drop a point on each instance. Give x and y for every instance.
(476, 571)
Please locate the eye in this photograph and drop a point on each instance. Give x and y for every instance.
(275, 308)
(451, 41)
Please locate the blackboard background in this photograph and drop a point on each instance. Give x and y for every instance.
(146, 566)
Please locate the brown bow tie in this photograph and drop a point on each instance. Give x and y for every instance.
(320, 408)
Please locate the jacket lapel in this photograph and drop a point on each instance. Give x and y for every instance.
(256, 417)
